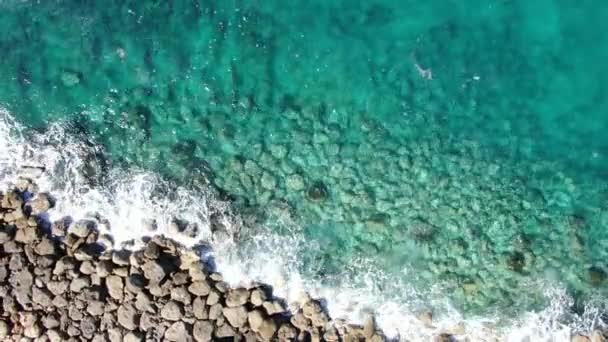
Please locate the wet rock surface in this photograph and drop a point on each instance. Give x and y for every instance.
(60, 284)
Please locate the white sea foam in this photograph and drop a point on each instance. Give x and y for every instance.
(130, 198)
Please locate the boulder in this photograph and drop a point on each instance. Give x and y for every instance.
(114, 284)
(172, 311)
(202, 331)
(237, 297)
(177, 332)
(127, 316)
(236, 316)
(258, 297)
(199, 309)
(153, 271)
(199, 288)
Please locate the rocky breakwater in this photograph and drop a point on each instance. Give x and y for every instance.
(63, 281)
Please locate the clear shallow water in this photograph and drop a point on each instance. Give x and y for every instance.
(446, 143)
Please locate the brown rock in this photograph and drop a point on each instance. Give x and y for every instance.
(127, 316)
(177, 332)
(199, 288)
(199, 309)
(258, 296)
(115, 287)
(215, 311)
(80, 283)
(237, 297)
(202, 331)
(224, 331)
(172, 311)
(236, 316)
(287, 332)
(95, 308)
(213, 298)
(45, 247)
(153, 271)
(182, 295)
(133, 337)
(273, 307)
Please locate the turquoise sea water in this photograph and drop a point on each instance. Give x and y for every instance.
(454, 143)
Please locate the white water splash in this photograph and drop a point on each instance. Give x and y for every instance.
(130, 199)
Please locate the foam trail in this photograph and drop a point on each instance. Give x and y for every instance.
(129, 199)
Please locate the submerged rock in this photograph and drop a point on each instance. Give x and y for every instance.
(317, 191)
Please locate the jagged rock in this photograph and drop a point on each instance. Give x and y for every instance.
(114, 335)
(88, 327)
(95, 308)
(199, 309)
(60, 227)
(121, 257)
(33, 331)
(22, 280)
(237, 297)
(127, 316)
(213, 298)
(152, 250)
(58, 287)
(41, 203)
(202, 331)
(51, 321)
(27, 235)
(64, 264)
(147, 322)
(87, 268)
(153, 271)
(4, 329)
(287, 332)
(255, 319)
(45, 247)
(258, 297)
(81, 228)
(180, 278)
(11, 200)
(60, 301)
(215, 311)
(172, 311)
(221, 286)
(135, 283)
(331, 335)
(80, 283)
(273, 307)
(299, 321)
(104, 268)
(181, 295)
(224, 331)
(115, 287)
(217, 277)
(42, 297)
(236, 316)
(177, 332)
(267, 329)
(143, 302)
(196, 271)
(133, 337)
(54, 335)
(74, 312)
(199, 288)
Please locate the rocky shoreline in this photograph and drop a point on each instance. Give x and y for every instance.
(61, 281)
